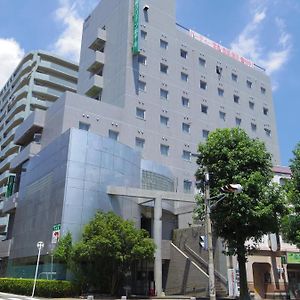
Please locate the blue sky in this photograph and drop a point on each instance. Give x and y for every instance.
(266, 31)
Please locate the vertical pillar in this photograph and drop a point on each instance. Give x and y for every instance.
(158, 241)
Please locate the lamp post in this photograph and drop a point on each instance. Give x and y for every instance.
(40, 246)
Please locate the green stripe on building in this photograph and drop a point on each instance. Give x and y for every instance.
(136, 21)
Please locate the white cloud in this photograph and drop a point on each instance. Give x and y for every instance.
(71, 15)
(10, 55)
(248, 43)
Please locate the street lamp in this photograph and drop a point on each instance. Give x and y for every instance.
(40, 246)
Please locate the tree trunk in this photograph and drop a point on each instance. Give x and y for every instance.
(241, 256)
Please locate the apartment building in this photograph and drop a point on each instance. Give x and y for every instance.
(39, 80)
(149, 90)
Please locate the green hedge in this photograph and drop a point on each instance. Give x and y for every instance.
(44, 288)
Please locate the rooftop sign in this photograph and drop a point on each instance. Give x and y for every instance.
(197, 36)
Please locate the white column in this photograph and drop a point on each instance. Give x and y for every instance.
(158, 240)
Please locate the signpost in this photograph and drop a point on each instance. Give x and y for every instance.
(40, 246)
(55, 233)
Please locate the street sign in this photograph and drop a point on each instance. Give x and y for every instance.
(40, 245)
(55, 233)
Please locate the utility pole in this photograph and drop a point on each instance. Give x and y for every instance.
(211, 267)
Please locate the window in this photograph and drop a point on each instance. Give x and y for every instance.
(234, 77)
(163, 44)
(267, 131)
(203, 85)
(164, 120)
(205, 133)
(184, 77)
(142, 59)
(222, 115)
(187, 186)
(202, 62)
(139, 143)
(236, 98)
(219, 70)
(185, 102)
(265, 111)
(114, 135)
(220, 92)
(251, 105)
(249, 84)
(183, 53)
(140, 113)
(142, 85)
(143, 34)
(204, 108)
(186, 155)
(164, 94)
(163, 68)
(84, 126)
(253, 126)
(262, 90)
(186, 127)
(164, 150)
(238, 121)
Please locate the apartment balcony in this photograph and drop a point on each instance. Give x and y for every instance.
(8, 138)
(46, 91)
(4, 176)
(14, 121)
(5, 164)
(29, 151)
(58, 68)
(3, 190)
(9, 149)
(17, 107)
(10, 204)
(5, 246)
(97, 62)
(64, 84)
(19, 94)
(98, 43)
(33, 124)
(95, 84)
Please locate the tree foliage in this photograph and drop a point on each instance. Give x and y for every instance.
(106, 251)
(291, 223)
(232, 157)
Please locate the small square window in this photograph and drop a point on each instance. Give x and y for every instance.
(114, 135)
(205, 133)
(204, 108)
(267, 131)
(163, 68)
(164, 149)
(164, 120)
(238, 121)
(142, 59)
(163, 44)
(84, 126)
(222, 115)
(143, 34)
(236, 98)
(164, 94)
(249, 84)
(187, 186)
(186, 155)
(220, 92)
(142, 85)
(185, 102)
(183, 53)
(251, 105)
(234, 77)
(262, 90)
(139, 143)
(265, 111)
(203, 85)
(184, 77)
(253, 126)
(186, 127)
(140, 113)
(202, 62)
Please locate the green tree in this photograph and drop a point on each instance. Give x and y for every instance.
(107, 249)
(63, 251)
(232, 157)
(291, 223)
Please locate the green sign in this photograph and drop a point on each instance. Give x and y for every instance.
(10, 185)
(56, 227)
(293, 258)
(136, 31)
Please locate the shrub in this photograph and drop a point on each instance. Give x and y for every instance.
(44, 288)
